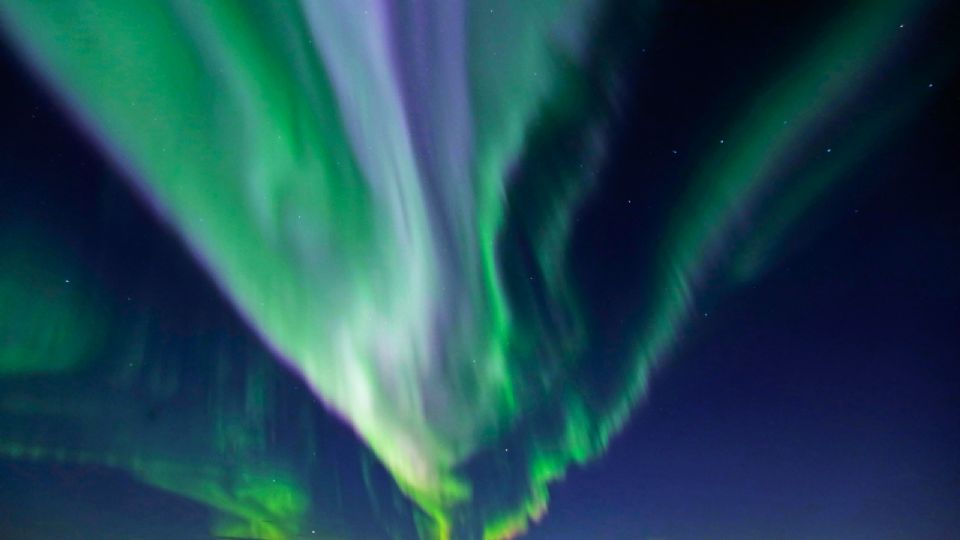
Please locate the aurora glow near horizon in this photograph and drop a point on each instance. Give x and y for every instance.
(343, 170)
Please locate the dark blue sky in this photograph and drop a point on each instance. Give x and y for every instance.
(823, 401)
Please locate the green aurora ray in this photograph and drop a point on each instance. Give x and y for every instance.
(349, 172)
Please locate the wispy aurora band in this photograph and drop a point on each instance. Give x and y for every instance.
(340, 167)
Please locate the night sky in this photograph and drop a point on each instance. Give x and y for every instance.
(434, 270)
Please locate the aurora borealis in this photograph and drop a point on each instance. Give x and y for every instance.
(329, 218)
